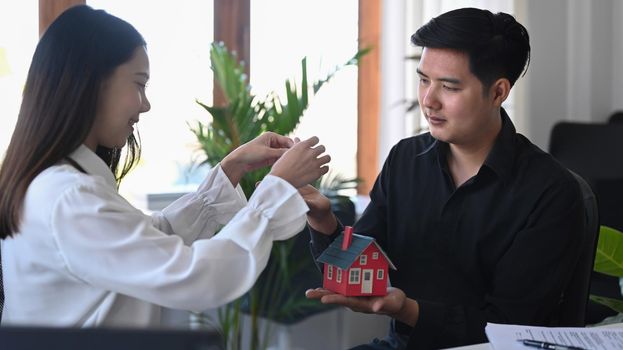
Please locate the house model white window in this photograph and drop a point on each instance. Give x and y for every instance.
(354, 276)
(363, 259)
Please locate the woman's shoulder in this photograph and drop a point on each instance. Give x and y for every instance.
(47, 189)
(54, 181)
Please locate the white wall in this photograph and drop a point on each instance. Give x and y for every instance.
(617, 55)
(393, 53)
(575, 71)
(545, 82)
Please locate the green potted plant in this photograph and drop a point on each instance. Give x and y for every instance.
(609, 261)
(277, 294)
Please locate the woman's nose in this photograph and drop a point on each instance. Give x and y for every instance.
(146, 105)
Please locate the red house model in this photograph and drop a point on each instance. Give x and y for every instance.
(355, 265)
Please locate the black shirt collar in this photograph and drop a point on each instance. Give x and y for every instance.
(502, 155)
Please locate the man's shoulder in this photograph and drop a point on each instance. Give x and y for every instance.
(419, 144)
(538, 165)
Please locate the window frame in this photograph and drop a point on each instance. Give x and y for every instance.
(354, 276)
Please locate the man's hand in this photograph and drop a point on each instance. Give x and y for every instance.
(320, 217)
(395, 304)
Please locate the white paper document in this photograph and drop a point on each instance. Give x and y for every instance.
(507, 337)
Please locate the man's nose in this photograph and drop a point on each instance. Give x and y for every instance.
(430, 98)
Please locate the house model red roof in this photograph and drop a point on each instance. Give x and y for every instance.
(355, 265)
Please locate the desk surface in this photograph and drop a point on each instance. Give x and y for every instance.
(486, 346)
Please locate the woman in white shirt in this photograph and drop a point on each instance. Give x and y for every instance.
(74, 252)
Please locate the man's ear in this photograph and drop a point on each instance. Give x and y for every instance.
(500, 90)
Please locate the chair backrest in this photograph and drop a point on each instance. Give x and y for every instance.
(593, 151)
(575, 297)
(616, 117)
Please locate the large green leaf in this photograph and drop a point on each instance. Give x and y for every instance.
(609, 254)
(614, 304)
(283, 118)
(229, 73)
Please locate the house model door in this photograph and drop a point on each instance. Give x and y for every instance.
(366, 284)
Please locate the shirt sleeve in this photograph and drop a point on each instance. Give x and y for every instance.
(107, 243)
(373, 220)
(203, 212)
(319, 241)
(528, 282)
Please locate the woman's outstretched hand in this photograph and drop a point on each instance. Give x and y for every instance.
(303, 163)
(262, 151)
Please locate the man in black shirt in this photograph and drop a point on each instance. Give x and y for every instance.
(482, 225)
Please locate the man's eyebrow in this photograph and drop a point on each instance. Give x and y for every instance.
(450, 80)
(445, 79)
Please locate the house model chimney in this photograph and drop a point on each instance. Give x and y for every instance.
(348, 237)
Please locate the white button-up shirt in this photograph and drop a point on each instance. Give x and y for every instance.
(85, 257)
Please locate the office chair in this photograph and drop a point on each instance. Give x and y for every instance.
(616, 117)
(575, 298)
(593, 151)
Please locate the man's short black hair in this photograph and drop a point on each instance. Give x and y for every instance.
(498, 46)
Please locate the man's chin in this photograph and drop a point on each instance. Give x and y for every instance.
(438, 135)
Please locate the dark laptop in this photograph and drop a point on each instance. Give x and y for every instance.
(39, 338)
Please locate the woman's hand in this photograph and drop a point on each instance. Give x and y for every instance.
(395, 304)
(262, 151)
(303, 163)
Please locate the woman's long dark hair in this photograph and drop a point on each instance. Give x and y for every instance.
(79, 50)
